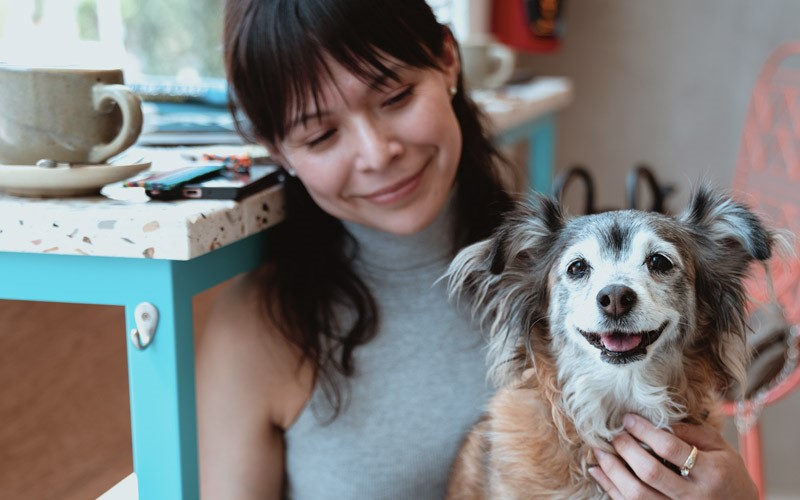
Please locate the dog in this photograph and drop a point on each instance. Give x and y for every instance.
(592, 317)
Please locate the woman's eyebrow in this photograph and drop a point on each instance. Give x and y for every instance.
(305, 117)
(378, 82)
(393, 72)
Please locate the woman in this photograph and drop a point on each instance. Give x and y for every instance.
(340, 369)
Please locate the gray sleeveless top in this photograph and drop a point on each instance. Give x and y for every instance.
(419, 386)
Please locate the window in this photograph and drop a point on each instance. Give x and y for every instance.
(179, 38)
(169, 50)
(176, 38)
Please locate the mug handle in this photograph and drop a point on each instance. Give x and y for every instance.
(506, 59)
(103, 97)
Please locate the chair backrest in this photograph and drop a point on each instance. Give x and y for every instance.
(768, 168)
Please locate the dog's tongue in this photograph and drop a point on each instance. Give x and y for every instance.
(620, 342)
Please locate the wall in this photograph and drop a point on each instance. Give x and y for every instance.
(665, 82)
(668, 83)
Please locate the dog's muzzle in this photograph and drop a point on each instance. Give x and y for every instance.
(619, 348)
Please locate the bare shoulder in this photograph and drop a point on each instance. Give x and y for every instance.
(251, 385)
(244, 357)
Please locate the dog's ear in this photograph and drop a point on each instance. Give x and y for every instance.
(726, 237)
(525, 231)
(505, 280)
(729, 223)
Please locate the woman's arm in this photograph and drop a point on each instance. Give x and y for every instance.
(719, 471)
(249, 389)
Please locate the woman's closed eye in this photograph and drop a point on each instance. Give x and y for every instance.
(395, 100)
(400, 97)
(321, 138)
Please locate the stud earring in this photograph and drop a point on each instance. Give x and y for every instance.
(453, 90)
(291, 171)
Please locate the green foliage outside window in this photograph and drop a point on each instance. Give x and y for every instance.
(166, 37)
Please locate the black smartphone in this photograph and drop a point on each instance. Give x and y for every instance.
(171, 179)
(167, 185)
(230, 185)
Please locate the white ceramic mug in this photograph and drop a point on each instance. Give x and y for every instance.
(486, 64)
(73, 115)
(470, 18)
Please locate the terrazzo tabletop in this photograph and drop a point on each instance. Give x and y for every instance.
(124, 222)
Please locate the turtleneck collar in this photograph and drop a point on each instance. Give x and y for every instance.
(381, 250)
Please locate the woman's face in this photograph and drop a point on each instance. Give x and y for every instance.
(382, 156)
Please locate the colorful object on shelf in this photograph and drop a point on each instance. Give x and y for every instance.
(529, 25)
(237, 163)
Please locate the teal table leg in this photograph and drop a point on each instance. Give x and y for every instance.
(162, 394)
(162, 377)
(541, 155)
(540, 138)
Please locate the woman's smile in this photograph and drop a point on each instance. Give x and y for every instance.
(397, 192)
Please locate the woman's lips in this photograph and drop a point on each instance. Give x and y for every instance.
(396, 192)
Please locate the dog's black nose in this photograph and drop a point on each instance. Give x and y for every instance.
(616, 300)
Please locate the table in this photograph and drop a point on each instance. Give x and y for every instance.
(141, 254)
(526, 113)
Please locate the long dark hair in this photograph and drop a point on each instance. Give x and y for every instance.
(275, 54)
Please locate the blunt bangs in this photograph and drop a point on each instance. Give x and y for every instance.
(277, 51)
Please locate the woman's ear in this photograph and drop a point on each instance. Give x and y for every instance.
(450, 62)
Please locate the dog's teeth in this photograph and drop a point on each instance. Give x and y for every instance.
(617, 342)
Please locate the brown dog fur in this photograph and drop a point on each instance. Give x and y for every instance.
(527, 445)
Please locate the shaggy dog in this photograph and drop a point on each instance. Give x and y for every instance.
(594, 317)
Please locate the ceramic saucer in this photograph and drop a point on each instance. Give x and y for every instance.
(64, 180)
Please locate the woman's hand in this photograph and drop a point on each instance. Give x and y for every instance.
(718, 472)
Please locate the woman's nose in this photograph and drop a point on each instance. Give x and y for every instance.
(377, 145)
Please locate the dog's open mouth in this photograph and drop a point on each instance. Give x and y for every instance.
(619, 348)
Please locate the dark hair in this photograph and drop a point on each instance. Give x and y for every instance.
(275, 54)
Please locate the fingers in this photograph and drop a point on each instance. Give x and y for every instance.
(648, 468)
(605, 483)
(665, 444)
(619, 482)
(719, 471)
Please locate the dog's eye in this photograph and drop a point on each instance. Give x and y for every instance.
(657, 263)
(578, 268)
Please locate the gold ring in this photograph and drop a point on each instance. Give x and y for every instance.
(689, 463)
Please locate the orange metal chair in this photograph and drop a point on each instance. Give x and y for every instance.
(768, 178)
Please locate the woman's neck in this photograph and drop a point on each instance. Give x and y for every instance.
(388, 251)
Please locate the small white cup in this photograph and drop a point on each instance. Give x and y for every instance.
(486, 64)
